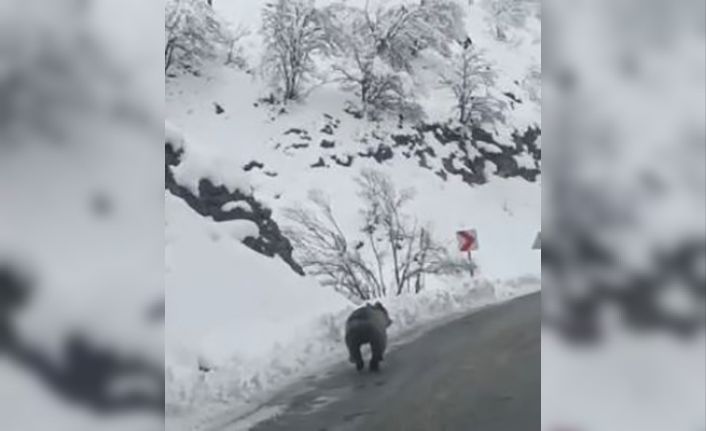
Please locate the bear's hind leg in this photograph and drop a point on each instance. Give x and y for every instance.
(354, 354)
(377, 348)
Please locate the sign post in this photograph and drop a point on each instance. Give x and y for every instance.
(467, 241)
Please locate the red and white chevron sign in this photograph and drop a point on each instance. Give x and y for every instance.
(467, 240)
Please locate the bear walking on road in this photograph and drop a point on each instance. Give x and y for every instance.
(367, 325)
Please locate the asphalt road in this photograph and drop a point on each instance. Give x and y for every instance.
(479, 372)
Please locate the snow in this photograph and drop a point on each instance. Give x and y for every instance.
(490, 168)
(251, 320)
(227, 306)
(197, 165)
(173, 135)
(629, 381)
(259, 326)
(473, 152)
(490, 148)
(263, 293)
(20, 386)
(96, 276)
(525, 160)
(230, 206)
(248, 369)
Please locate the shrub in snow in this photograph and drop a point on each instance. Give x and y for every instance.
(293, 35)
(392, 255)
(193, 33)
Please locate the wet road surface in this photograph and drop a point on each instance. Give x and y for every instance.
(478, 372)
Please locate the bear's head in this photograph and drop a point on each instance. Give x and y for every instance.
(378, 305)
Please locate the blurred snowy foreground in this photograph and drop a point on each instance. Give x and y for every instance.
(81, 216)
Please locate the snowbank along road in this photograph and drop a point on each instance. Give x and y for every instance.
(481, 371)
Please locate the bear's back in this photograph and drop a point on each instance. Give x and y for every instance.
(368, 316)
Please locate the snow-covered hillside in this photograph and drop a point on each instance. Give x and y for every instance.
(241, 322)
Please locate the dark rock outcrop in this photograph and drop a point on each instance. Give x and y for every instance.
(319, 163)
(253, 164)
(347, 161)
(209, 203)
(380, 154)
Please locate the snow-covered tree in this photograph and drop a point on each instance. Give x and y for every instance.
(380, 88)
(507, 14)
(470, 76)
(235, 54)
(400, 32)
(293, 35)
(193, 34)
(375, 48)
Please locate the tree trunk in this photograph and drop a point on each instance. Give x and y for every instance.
(423, 246)
(168, 55)
(378, 258)
(500, 34)
(395, 261)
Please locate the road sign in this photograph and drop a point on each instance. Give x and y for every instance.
(537, 242)
(467, 240)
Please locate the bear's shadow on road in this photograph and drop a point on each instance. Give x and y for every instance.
(337, 384)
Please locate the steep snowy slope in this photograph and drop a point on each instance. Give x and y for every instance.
(225, 302)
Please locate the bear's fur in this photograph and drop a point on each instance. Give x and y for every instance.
(367, 325)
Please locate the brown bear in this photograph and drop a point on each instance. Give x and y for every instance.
(367, 325)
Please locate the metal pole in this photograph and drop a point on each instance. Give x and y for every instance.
(470, 260)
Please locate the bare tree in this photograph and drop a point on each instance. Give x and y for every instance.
(470, 76)
(413, 252)
(193, 33)
(393, 255)
(293, 35)
(325, 252)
